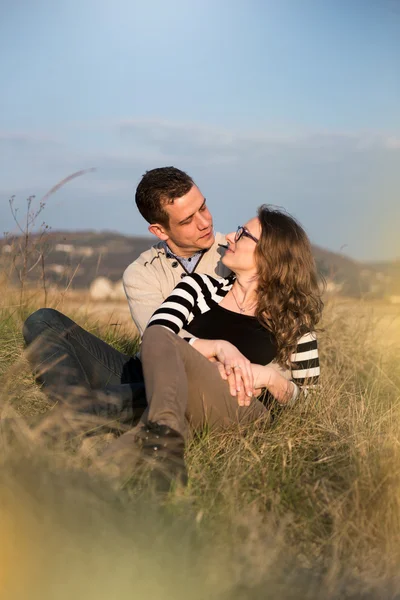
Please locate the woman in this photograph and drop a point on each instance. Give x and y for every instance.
(265, 311)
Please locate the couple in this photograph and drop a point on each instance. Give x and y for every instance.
(217, 333)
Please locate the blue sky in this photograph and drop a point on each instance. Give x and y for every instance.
(290, 102)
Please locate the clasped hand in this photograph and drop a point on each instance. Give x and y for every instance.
(236, 369)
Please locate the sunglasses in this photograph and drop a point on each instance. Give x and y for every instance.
(242, 232)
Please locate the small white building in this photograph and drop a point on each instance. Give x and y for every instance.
(102, 289)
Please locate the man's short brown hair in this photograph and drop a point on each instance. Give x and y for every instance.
(159, 187)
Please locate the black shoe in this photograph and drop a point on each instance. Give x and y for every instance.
(163, 451)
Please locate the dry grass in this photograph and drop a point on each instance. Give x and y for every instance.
(304, 506)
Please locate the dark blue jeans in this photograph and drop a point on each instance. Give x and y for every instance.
(78, 368)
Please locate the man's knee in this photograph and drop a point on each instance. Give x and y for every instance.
(156, 332)
(156, 341)
(37, 322)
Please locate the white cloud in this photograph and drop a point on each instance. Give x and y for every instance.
(28, 138)
(392, 142)
(162, 133)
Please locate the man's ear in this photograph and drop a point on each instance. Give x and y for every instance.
(159, 231)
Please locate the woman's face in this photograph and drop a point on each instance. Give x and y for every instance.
(240, 254)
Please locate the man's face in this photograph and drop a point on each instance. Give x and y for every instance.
(190, 224)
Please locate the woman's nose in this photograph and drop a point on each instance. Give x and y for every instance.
(230, 237)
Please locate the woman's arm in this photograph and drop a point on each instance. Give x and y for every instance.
(174, 312)
(285, 391)
(177, 310)
(304, 374)
(305, 362)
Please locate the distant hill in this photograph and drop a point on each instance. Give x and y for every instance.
(355, 278)
(85, 255)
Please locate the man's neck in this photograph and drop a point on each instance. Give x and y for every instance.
(182, 252)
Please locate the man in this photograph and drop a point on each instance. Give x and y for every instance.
(63, 355)
(178, 215)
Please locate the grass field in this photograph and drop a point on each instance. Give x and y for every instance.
(304, 506)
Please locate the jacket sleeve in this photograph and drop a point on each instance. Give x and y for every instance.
(143, 293)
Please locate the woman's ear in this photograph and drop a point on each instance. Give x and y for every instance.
(159, 231)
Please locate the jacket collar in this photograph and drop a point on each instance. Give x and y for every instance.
(170, 254)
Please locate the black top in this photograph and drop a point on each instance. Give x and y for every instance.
(246, 333)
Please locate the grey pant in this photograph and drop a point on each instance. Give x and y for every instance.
(79, 369)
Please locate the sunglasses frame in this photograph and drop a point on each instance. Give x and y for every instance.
(242, 231)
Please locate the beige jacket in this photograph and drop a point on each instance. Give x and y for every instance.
(153, 275)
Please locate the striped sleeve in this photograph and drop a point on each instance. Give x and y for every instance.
(305, 362)
(192, 296)
(175, 310)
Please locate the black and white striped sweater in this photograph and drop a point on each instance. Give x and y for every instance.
(193, 305)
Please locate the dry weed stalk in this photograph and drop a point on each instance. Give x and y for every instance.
(28, 251)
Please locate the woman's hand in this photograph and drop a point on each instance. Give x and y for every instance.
(237, 370)
(281, 388)
(232, 365)
(231, 379)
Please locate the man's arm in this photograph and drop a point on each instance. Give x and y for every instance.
(143, 293)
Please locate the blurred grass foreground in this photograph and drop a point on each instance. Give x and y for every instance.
(306, 506)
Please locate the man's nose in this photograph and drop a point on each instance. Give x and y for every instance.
(204, 221)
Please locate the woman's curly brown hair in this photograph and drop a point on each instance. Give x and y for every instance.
(289, 299)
